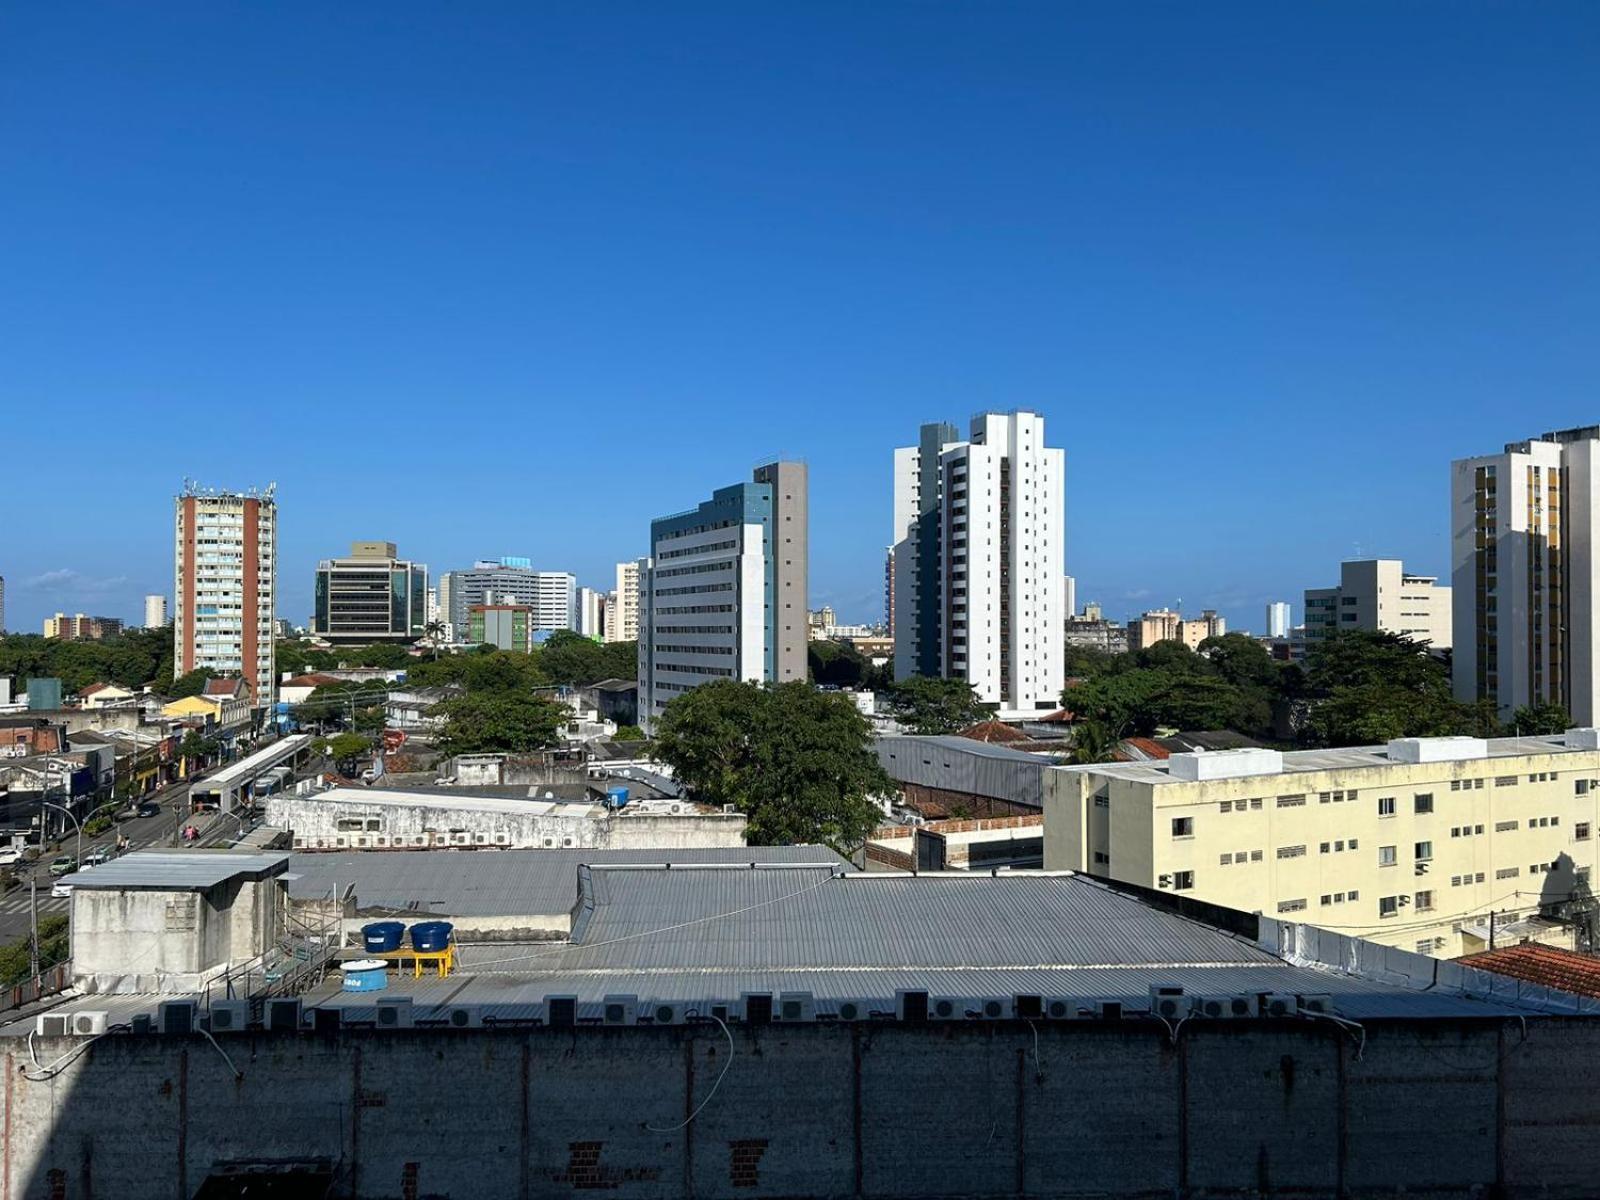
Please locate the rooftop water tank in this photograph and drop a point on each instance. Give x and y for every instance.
(430, 935)
(618, 796)
(383, 937)
(365, 975)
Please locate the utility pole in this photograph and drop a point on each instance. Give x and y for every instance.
(33, 923)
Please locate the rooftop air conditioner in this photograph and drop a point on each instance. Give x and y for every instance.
(1316, 1002)
(395, 1012)
(796, 1006)
(1223, 1007)
(850, 1010)
(620, 1010)
(1062, 1008)
(282, 1013)
(463, 1016)
(1276, 1004)
(177, 1016)
(1167, 1002)
(561, 1011)
(911, 1006)
(1027, 1007)
(230, 1016)
(89, 1024)
(668, 1013)
(52, 1025)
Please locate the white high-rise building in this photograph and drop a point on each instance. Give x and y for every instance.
(1526, 604)
(979, 559)
(591, 612)
(225, 583)
(622, 614)
(155, 612)
(553, 595)
(1278, 619)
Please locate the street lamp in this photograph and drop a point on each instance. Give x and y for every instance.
(78, 824)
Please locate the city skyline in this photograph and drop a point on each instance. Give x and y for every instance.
(1227, 268)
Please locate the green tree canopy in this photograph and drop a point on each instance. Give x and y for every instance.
(798, 762)
(570, 658)
(1535, 720)
(191, 684)
(347, 748)
(1364, 686)
(504, 721)
(928, 705)
(131, 659)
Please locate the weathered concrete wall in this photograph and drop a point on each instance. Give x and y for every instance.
(1114, 1110)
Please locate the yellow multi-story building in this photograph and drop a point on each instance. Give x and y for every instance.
(1426, 843)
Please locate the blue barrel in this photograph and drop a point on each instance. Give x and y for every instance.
(431, 935)
(383, 937)
(618, 796)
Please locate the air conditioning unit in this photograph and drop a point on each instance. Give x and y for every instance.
(177, 1016)
(1223, 1007)
(1107, 1010)
(851, 1010)
(1163, 881)
(1316, 1002)
(911, 1006)
(796, 1006)
(230, 1016)
(1027, 1007)
(1276, 1004)
(757, 1008)
(395, 1012)
(1062, 1008)
(52, 1025)
(620, 1010)
(669, 1014)
(462, 1016)
(561, 1011)
(282, 1013)
(89, 1024)
(1167, 1002)
(1421, 868)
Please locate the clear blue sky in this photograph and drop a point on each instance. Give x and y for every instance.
(512, 279)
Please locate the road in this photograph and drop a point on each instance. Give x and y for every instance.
(144, 833)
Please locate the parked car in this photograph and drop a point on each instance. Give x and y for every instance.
(102, 854)
(149, 809)
(62, 889)
(64, 865)
(10, 856)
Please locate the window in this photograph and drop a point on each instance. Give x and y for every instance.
(1327, 900)
(1506, 873)
(1386, 856)
(1291, 905)
(1423, 802)
(1291, 851)
(1505, 780)
(1323, 849)
(1255, 856)
(1101, 858)
(1386, 806)
(1504, 826)
(1226, 860)
(1580, 831)
(1182, 881)
(1424, 901)
(1388, 906)
(1355, 895)
(1256, 803)
(1425, 946)
(1182, 827)
(1226, 806)
(1580, 786)
(1354, 844)
(1424, 851)
(1292, 801)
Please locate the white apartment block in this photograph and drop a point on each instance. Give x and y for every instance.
(1380, 594)
(622, 615)
(225, 584)
(979, 560)
(552, 595)
(591, 612)
(1523, 525)
(1414, 844)
(155, 612)
(1278, 619)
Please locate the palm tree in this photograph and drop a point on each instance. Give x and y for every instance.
(435, 631)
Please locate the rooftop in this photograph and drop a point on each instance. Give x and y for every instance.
(458, 798)
(262, 759)
(1547, 965)
(177, 870)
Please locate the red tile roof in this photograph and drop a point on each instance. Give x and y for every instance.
(223, 687)
(314, 679)
(1148, 746)
(1544, 965)
(93, 688)
(993, 731)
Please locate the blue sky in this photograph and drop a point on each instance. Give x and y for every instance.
(512, 279)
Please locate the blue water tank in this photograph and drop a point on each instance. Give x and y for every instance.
(618, 796)
(368, 975)
(382, 937)
(431, 935)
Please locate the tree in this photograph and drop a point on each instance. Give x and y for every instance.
(191, 684)
(196, 747)
(499, 722)
(1092, 743)
(628, 733)
(346, 749)
(1536, 720)
(928, 705)
(838, 664)
(434, 631)
(798, 762)
(570, 658)
(1365, 686)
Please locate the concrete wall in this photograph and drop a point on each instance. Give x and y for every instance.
(1086, 1108)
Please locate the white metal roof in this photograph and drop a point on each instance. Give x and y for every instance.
(177, 870)
(271, 756)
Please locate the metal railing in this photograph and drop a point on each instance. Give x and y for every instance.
(46, 983)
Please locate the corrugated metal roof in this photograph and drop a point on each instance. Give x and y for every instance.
(260, 760)
(497, 882)
(804, 918)
(176, 870)
(451, 799)
(960, 764)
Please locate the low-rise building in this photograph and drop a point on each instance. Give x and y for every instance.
(81, 627)
(1096, 633)
(506, 626)
(104, 695)
(958, 777)
(1011, 843)
(1416, 844)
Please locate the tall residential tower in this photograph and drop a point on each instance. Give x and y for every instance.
(225, 581)
(723, 594)
(979, 559)
(1526, 601)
